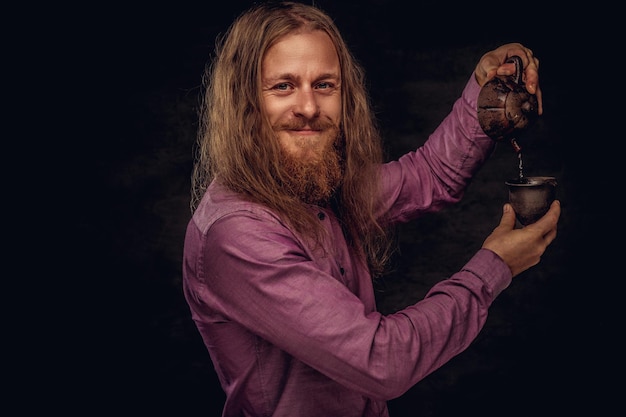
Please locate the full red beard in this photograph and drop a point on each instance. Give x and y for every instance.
(315, 179)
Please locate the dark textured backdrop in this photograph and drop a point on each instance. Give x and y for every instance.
(140, 71)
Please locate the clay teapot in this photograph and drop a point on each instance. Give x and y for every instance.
(505, 107)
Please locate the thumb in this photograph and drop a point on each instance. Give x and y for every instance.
(508, 217)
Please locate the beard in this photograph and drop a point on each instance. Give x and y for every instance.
(316, 178)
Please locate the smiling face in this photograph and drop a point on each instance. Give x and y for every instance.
(302, 92)
(301, 85)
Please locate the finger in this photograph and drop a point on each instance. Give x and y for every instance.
(487, 68)
(531, 81)
(548, 221)
(550, 236)
(508, 217)
(555, 209)
(555, 214)
(531, 74)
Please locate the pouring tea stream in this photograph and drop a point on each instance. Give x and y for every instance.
(505, 110)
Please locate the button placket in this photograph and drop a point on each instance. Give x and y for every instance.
(322, 216)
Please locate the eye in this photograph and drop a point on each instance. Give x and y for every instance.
(324, 85)
(282, 86)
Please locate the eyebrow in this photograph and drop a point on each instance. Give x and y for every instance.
(290, 76)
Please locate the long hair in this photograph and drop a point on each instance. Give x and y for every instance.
(237, 146)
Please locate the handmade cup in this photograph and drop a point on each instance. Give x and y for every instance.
(531, 197)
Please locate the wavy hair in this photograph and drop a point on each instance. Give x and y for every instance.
(237, 146)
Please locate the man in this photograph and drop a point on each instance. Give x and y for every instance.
(292, 206)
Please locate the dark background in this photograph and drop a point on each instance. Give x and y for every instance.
(124, 339)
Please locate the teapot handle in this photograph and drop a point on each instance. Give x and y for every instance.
(518, 68)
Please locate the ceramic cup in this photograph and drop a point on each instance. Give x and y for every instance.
(531, 197)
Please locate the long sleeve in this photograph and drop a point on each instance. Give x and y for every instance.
(289, 325)
(437, 174)
(259, 276)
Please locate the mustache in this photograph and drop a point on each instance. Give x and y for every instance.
(300, 123)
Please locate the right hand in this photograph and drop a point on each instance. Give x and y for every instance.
(522, 248)
(495, 63)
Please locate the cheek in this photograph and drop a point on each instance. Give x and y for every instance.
(331, 108)
(274, 109)
(335, 111)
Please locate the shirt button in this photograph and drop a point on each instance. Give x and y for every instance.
(321, 215)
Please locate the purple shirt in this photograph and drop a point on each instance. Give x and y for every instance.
(295, 332)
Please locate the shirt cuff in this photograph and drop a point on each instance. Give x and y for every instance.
(491, 269)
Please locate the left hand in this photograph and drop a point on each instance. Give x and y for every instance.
(493, 63)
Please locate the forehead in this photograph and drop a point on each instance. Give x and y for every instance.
(301, 52)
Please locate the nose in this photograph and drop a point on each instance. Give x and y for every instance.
(306, 104)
